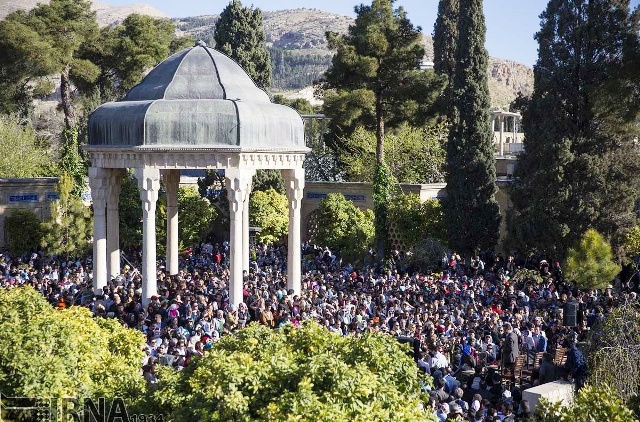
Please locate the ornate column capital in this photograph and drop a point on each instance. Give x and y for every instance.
(115, 177)
(149, 185)
(99, 185)
(238, 185)
(294, 186)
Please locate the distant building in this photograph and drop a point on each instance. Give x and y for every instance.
(425, 64)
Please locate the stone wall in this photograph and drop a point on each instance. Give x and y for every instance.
(34, 194)
(362, 196)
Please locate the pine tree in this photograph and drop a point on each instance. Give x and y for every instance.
(124, 53)
(240, 35)
(46, 41)
(374, 81)
(471, 213)
(590, 264)
(580, 166)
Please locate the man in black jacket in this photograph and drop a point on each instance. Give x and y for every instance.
(510, 350)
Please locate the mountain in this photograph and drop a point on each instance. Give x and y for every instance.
(299, 52)
(105, 14)
(298, 47)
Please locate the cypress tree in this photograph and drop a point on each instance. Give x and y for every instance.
(579, 168)
(445, 40)
(239, 34)
(471, 213)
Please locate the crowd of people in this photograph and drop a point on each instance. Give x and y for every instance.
(467, 322)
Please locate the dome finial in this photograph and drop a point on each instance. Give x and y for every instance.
(200, 43)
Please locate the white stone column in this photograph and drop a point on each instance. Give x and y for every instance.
(149, 185)
(245, 224)
(99, 182)
(236, 182)
(113, 221)
(294, 184)
(171, 182)
(501, 136)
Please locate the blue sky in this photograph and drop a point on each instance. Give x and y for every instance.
(511, 24)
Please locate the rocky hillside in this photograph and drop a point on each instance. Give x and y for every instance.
(298, 47)
(300, 55)
(105, 14)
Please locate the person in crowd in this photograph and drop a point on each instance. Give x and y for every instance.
(576, 366)
(547, 371)
(510, 350)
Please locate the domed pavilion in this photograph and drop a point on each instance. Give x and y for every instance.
(198, 109)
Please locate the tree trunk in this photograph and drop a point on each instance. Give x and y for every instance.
(67, 102)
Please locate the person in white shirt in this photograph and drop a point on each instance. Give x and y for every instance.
(439, 361)
(528, 340)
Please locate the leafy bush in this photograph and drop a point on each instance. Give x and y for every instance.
(269, 210)
(195, 215)
(49, 353)
(632, 241)
(417, 220)
(302, 374)
(344, 227)
(591, 264)
(23, 230)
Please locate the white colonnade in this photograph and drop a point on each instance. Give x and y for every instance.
(105, 184)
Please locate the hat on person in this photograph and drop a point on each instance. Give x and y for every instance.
(455, 408)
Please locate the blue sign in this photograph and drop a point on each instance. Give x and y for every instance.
(352, 198)
(356, 198)
(52, 196)
(24, 197)
(316, 195)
